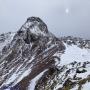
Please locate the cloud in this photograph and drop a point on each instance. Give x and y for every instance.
(13, 14)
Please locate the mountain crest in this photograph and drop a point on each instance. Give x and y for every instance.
(35, 26)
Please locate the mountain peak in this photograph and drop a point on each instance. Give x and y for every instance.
(32, 29)
(34, 19)
(35, 25)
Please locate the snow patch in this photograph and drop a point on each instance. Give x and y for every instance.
(86, 86)
(34, 81)
(74, 53)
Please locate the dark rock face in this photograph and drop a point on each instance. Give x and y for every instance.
(33, 29)
(41, 25)
(32, 49)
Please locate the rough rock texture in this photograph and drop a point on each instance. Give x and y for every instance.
(31, 51)
(34, 59)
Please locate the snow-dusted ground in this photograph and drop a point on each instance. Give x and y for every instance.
(71, 54)
(74, 53)
(86, 86)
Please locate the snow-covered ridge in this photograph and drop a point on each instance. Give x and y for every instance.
(36, 26)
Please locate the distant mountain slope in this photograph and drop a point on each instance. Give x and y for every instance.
(34, 59)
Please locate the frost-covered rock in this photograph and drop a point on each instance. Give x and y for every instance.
(30, 52)
(34, 59)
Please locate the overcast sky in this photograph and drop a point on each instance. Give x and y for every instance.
(63, 17)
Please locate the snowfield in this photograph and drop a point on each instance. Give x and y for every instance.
(74, 53)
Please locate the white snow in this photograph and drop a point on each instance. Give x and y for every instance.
(16, 77)
(23, 75)
(34, 30)
(34, 81)
(37, 31)
(86, 86)
(74, 53)
(11, 79)
(7, 89)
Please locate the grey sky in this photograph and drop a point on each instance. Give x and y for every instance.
(63, 17)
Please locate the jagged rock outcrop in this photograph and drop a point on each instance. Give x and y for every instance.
(31, 50)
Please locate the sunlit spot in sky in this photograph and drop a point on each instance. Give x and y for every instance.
(67, 10)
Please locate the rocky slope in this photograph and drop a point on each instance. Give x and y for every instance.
(34, 59)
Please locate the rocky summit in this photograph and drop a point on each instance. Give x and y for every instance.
(35, 59)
